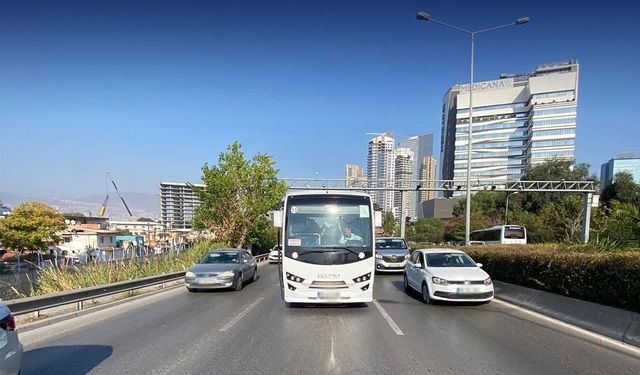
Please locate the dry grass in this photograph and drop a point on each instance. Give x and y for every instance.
(53, 280)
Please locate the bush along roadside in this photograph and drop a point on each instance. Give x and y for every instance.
(609, 278)
(53, 280)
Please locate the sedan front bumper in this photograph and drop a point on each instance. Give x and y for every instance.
(469, 293)
(382, 266)
(207, 283)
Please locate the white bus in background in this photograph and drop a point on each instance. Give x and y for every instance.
(501, 235)
(328, 253)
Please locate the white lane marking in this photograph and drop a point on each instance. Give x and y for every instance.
(242, 314)
(599, 337)
(386, 317)
(331, 363)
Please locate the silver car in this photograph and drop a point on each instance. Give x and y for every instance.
(222, 268)
(10, 346)
(391, 254)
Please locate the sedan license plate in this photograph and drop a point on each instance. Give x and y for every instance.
(208, 280)
(328, 295)
(467, 290)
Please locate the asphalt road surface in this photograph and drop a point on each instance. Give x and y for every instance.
(253, 332)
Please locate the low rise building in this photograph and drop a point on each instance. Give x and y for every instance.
(90, 244)
(439, 208)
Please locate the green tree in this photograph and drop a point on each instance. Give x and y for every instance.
(238, 195)
(32, 225)
(622, 189)
(553, 170)
(623, 223)
(389, 224)
(426, 230)
(563, 219)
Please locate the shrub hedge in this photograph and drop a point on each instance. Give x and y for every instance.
(610, 278)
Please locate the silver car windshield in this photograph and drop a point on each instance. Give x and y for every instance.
(390, 244)
(220, 257)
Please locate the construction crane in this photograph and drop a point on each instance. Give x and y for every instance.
(103, 208)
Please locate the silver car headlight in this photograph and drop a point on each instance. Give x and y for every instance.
(437, 280)
(406, 256)
(378, 256)
(189, 274)
(488, 281)
(226, 275)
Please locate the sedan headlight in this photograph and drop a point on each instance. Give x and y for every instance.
(437, 280)
(226, 275)
(488, 281)
(406, 256)
(189, 274)
(378, 256)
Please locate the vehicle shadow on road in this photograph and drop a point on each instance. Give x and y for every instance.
(348, 306)
(64, 359)
(416, 296)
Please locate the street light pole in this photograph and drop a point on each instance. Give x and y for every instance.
(467, 211)
(423, 16)
(506, 208)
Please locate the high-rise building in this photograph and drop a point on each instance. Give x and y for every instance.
(518, 120)
(629, 164)
(381, 166)
(428, 177)
(354, 176)
(177, 204)
(404, 167)
(422, 146)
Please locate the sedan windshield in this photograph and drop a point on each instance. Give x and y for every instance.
(220, 257)
(389, 243)
(449, 260)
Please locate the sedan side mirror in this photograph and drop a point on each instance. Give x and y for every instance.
(418, 265)
(479, 265)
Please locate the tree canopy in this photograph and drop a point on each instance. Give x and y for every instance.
(33, 226)
(238, 195)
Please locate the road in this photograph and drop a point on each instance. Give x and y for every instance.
(252, 332)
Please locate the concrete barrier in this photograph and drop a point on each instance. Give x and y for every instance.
(619, 324)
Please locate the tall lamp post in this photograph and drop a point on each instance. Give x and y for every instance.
(506, 208)
(423, 16)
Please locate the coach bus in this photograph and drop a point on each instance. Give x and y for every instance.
(503, 234)
(328, 253)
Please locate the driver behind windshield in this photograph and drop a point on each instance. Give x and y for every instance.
(347, 235)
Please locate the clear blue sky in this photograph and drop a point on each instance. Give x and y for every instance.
(152, 90)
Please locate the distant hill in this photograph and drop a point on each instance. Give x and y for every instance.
(141, 204)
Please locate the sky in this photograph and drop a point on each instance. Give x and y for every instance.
(152, 90)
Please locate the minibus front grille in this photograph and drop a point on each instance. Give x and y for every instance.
(318, 284)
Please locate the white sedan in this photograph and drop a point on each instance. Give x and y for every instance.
(274, 254)
(448, 275)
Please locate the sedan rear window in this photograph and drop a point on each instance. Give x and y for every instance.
(449, 260)
(220, 257)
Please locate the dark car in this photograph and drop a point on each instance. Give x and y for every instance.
(222, 268)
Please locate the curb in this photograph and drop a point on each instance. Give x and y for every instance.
(618, 324)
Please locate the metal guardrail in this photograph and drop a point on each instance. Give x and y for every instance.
(35, 304)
